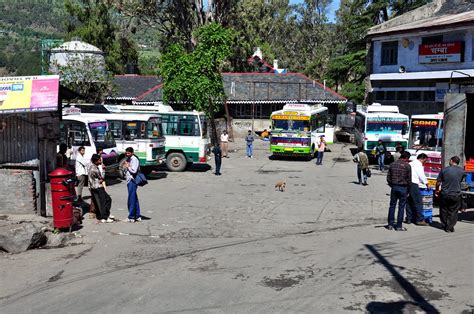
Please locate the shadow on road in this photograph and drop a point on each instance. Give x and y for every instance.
(156, 176)
(467, 216)
(397, 307)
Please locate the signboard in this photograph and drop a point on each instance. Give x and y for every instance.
(289, 117)
(29, 93)
(386, 120)
(441, 52)
(426, 123)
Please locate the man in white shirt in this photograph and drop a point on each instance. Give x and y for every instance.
(418, 181)
(132, 166)
(225, 144)
(82, 164)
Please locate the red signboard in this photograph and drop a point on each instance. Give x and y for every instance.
(441, 52)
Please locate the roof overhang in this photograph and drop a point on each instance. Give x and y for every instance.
(428, 75)
(286, 101)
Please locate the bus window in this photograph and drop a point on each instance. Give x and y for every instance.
(280, 125)
(101, 136)
(299, 125)
(76, 134)
(131, 131)
(188, 126)
(115, 128)
(153, 129)
(170, 124)
(318, 124)
(426, 134)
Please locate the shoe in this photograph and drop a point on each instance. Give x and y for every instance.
(216, 174)
(129, 220)
(389, 227)
(112, 217)
(406, 221)
(400, 229)
(109, 220)
(103, 220)
(364, 184)
(138, 219)
(219, 174)
(422, 223)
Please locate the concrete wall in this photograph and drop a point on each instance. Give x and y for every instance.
(17, 192)
(242, 126)
(408, 57)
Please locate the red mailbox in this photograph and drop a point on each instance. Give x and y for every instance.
(62, 193)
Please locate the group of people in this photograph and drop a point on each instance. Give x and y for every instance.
(406, 178)
(92, 171)
(221, 149)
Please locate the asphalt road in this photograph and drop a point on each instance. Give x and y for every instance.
(233, 244)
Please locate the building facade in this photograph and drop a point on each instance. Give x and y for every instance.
(416, 58)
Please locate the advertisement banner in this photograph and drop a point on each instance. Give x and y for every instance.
(29, 93)
(441, 52)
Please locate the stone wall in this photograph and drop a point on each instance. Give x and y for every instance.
(17, 192)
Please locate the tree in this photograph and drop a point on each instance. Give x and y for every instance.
(94, 24)
(193, 79)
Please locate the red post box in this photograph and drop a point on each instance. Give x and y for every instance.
(62, 194)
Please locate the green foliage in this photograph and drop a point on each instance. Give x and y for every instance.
(193, 78)
(93, 24)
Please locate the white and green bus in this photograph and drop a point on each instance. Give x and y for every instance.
(142, 132)
(377, 122)
(187, 139)
(296, 130)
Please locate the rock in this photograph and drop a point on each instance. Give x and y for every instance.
(57, 239)
(17, 238)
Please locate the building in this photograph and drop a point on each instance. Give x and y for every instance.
(416, 58)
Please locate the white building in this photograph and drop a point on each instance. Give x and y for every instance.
(415, 58)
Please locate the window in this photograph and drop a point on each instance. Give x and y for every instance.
(414, 95)
(379, 95)
(153, 129)
(185, 125)
(401, 95)
(390, 53)
(116, 129)
(390, 95)
(74, 133)
(429, 96)
(432, 40)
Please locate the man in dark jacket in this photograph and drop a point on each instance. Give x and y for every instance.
(399, 179)
(448, 188)
(218, 158)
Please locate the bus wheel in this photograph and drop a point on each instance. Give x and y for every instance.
(176, 162)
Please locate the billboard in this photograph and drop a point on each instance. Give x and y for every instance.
(29, 93)
(441, 52)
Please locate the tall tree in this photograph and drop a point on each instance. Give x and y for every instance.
(194, 78)
(94, 24)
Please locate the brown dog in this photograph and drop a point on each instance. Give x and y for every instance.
(280, 185)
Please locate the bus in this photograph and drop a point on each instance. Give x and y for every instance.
(296, 130)
(186, 134)
(142, 132)
(426, 136)
(93, 134)
(376, 122)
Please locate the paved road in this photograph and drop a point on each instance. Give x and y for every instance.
(233, 244)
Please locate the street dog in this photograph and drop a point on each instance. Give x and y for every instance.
(280, 185)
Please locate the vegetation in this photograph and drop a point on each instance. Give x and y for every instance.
(300, 36)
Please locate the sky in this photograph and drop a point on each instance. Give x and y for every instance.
(332, 11)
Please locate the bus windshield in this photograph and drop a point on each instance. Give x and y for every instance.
(292, 125)
(154, 129)
(426, 134)
(387, 125)
(101, 136)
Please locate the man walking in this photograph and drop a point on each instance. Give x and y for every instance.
(414, 211)
(448, 188)
(362, 161)
(249, 140)
(380, 153)
(321, 148)
(82, 164)
(225, 144)
(102, 201)
(218, 159)
(131, 167)
(399, 179)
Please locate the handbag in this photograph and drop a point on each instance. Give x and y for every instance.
(368, 173)
(140, 179)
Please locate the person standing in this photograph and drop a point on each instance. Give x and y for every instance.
(399, 179)
(225, 144)
(132, 166)
(321, 148)
(380, 151)
(218, 159)
(249, 140)
(61, 159)
(82, 164)
(414, 209)
(102, 201)
(448, 188)
(362, 161)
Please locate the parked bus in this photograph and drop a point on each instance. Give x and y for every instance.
(187, 140)
(377, 122)
(296, 130)
(426, 136)
(92, 133)
(142, 132)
